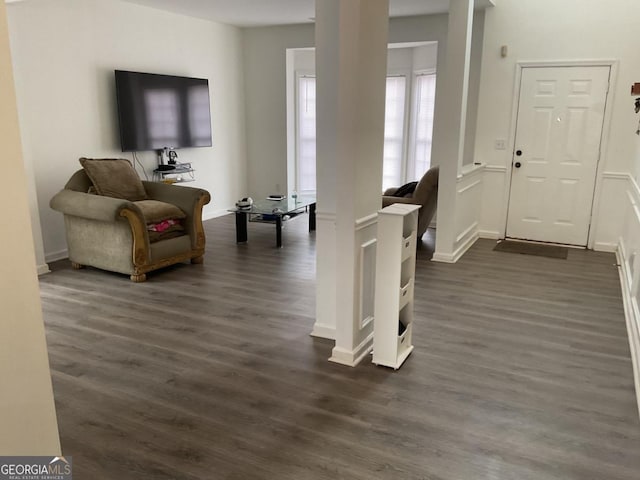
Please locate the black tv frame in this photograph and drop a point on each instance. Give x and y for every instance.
(133, 122)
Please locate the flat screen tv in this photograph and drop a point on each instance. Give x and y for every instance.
(162, 111)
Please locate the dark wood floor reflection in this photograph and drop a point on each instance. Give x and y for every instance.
(521, 371)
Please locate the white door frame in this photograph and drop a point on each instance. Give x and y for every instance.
(604, 141)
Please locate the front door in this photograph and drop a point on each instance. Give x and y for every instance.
(556, 153)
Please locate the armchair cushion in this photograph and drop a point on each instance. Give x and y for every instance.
(163, 219)
(114, 178)
(154, 211)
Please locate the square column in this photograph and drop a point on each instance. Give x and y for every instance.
(351, 69)
(450, 122)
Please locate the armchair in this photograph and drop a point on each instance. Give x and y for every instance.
(425, 194)
(112, 234)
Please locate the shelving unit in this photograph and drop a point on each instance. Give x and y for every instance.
(180, 174)
(395, 278)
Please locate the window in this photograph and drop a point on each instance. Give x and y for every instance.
(306, 135)
(420, 158)
(392, 166)
(398, 167)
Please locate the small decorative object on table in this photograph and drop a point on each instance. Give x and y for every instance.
(245, 204)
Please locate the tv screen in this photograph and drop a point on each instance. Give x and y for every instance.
(158, 111)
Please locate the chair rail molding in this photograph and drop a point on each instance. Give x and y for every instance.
(495, 169)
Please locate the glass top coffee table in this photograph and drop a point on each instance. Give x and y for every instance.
(273, 211)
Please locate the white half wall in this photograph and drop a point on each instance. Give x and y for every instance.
(466, 224)
(64, 55)
(542, 31)
(628, 252)
(27, 410)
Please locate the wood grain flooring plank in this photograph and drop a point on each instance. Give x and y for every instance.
(521, 370)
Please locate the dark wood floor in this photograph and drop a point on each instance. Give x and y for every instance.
(521, 371)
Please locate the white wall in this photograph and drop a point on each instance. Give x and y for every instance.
(265, 87)
(27, 412)
(544, 30)
(64, 54)
(304, 59)
(400, 59)
(425, 57)
(266, 103)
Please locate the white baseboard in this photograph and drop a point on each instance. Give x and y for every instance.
(214, 214)
(605, 247)
(458, 253)
(55, 256)
(351, 358)
(443, 257)
(490, 234)
(42, 269)
(324, 331)
(632, 317)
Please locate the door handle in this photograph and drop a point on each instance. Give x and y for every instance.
(519, 153)
(517, 164)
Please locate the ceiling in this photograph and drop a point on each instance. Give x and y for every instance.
(252, 13)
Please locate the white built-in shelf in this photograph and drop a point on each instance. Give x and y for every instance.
(395, 279)
(182, 173)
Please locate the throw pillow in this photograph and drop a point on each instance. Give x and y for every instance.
(405, 189)
(114, 178)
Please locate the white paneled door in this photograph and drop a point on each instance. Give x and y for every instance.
(556, 152)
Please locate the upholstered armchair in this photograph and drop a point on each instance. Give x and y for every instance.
(425, 195)
(158, 225)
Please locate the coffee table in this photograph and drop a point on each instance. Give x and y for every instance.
(272, 211)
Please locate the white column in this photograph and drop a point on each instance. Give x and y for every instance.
(351, 64)
(27, 411)
(327, 58)
(450, 122)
